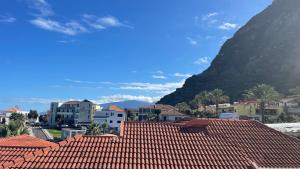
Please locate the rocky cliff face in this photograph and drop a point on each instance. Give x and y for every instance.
(265, 50)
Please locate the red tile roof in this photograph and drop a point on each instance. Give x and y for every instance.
(13, 149)
(13, 110)
(115, 108)
(217, 144)
(24, 141)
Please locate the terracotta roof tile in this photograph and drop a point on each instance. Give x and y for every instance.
(24, 141)
(15, 149)
(115, 108)
(218, 144)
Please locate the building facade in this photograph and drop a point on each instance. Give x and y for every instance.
(113, 116)
(71, 113)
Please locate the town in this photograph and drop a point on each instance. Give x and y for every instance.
(81, 119)
(150, 85)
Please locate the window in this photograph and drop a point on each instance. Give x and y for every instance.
(120, 115)
(118, 121)
(110, 121)
(111, 114)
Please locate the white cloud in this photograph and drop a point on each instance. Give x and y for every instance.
(209, 15)
(120, 97)
(7, 19)
(67, 41)
(182, 75)
(228, 26)
(161, 88)
(209, 18)
(202, 60)
(42, 6)
(159, 72)
(69, 28)
(86, 82)
(159, 77)
(102, 22)
(192, 41)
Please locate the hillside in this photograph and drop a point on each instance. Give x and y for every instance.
(265, 50)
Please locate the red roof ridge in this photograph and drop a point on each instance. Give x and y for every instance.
(32, 155)
(24, 141)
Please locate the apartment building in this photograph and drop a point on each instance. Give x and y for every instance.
(113, 116)
(72, 113)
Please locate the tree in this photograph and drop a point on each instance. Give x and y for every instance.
(287, 118)
(95, 129)
(263, 94)
(3, 121)
(33, 114)
(203, 99)
(4, 131)
(104, 127)
(217, 96)
(17, 117)
(58, 119)
(131, 115)
(15, 126)
(183, 108)
(43, 118)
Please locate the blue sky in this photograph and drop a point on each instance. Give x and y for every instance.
(57, 50)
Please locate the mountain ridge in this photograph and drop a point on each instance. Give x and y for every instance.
(265, 50)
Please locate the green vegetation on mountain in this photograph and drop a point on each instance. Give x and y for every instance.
(265, 50)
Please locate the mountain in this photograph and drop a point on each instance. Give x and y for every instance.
(265, 50)
(132, 104)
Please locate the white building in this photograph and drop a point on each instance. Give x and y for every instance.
(5, 114)
(113, 116)
(68, 133)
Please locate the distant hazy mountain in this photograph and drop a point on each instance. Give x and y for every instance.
(133, 104)
(265, 50)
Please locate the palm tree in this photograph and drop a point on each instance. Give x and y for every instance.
(217, 96)
(95, 129)
(202, 99)
(104, 127)
(263, 94)
(183, 107)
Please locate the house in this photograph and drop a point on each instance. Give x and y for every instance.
(71, 113)
(163, 112)
(15, 148)
(291, 104)
(5, 114)
(70, 132)
(198, 143)
(113, 116)
(226, 107)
